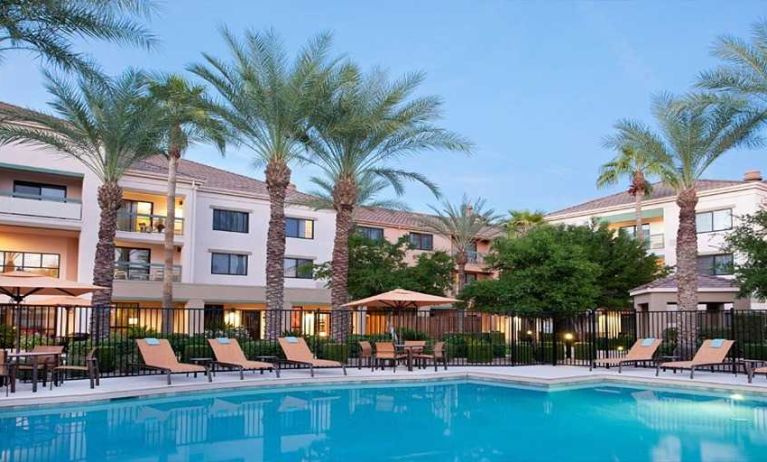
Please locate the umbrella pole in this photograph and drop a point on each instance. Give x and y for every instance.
(18, 319)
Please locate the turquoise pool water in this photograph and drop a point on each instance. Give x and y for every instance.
(447, 421)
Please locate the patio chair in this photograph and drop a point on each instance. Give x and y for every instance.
(91, 368)
(46, 363)
(366, 353)
(711, 353)
(297, 352)
(385, 351)
(229, 354)
(7, 373)
(158, 355)
(437, 355)
(415, 346)
(642, 351)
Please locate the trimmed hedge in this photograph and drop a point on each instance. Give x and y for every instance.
(335, 352)
(479, 352)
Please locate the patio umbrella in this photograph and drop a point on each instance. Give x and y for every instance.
(18, 285)
(401, 298)
(60, 300)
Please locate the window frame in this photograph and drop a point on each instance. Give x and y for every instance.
(229, 263)
(220, 211)
(362, 231)
(713, 229)
(298, 261)
(25, 267)
(299, 220)
(420, 237)
(714, 265)
(40, 186)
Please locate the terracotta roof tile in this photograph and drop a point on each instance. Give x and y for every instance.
(659, 190)
(704, 282)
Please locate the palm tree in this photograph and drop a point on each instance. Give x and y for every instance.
(188, 119)
(369, 190)
(47, 28)
(362, 125)
(520, 222)
(462, 224)
(637, 167)
(692, 135)
(744, 72)
(106, 125)
(266, 103)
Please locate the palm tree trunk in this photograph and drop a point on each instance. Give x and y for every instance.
(170, 231)
(277, 182)
(344, 197)
(686, 268)
(110, 200)
(460, 260)
(638, 217)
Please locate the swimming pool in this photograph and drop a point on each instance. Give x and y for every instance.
(437, 421)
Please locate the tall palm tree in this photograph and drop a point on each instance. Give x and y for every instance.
(637, 166)
(188, 119)
(361, 126)
(744, 68)
(266, 100)
(462, 224)
(520, 222)
(369, 190)
(692, 135)
(47, 28)
(107, 126)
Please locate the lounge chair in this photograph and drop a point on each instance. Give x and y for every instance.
(758, 370)
(158, 354)
(437, 355)
(366, 353)
(711, 353)
(385, 351)
(91, 368)
(229, 354)
(297, 352)
(642, 351)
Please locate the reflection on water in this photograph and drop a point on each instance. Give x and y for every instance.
(434, 423)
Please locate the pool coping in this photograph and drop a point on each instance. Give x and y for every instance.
(540, 383)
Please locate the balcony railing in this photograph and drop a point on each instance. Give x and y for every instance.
(38, 197)
(146, 223)
(654, 242)
(131, 271)
(473, 257)
(35, 205)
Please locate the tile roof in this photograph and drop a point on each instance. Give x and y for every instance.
(704, 282)
(214, 177)
(406, 220)
(659, 190)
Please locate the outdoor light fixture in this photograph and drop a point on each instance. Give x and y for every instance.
(132, 321)
(569, 336)
(620, 348)
(529, 332)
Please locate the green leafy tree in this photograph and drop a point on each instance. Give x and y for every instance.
(692, 134)
(48, 27)
(380, 266)
(749, 241)
(362, 126)
(637, 166)
(267, 99)
(187, 119)
(463, 224)
(108, 126)
(520, 222)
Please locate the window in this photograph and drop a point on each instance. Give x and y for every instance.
(374, 234)
(135, 216)
(468, 278)
(299, 227)
(229, 220)
(39, 191)
(631, 230)
(46, 264)
(422, 241)
(715, 265)
(299, 268)
(717, 220)
(229, 263)
(132, 263)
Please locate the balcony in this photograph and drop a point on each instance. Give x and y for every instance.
(473, 257)
(145, 223)
(654, 242)
(40, 206)
(132, 271)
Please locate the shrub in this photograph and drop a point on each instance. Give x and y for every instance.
(7, 336)
(135, 332)
(335, 352)
(478, 351)
(404, 333)
(670, 338)
(29, 341)
(545, 352)
(522, 353)
(583, 350)
(455, 345)
(107, 359)
(754, 350)
(196, 350)
(253, 348)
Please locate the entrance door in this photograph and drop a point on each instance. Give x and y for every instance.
(251, 320)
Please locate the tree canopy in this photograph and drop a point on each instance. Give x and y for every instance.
(563, 269)
(748, 241)
(379, 266)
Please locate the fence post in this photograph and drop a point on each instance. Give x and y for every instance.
(594, 336)
(554, 345)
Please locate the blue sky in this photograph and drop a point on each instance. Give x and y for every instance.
(535, 85)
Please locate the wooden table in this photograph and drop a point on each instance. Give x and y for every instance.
(35, 355)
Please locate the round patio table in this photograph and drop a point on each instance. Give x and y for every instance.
(34, 355)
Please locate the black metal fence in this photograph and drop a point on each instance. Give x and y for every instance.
(482, 339)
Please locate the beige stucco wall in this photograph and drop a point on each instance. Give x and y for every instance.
(64, 243)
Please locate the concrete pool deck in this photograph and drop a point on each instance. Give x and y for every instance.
(545, 377)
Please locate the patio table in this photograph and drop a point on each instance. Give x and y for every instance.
(34, 356)
(408, 349)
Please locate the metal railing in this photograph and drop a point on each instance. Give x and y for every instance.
(39, 197)
(471, 338)
(473, 257)
(655, 241)
(130, 271)
(146, 223)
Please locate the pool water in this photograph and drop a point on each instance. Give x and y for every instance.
(438, 421)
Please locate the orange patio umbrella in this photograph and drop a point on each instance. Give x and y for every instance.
(401, 298)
